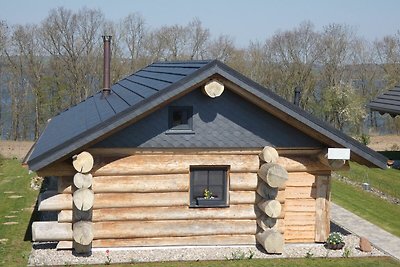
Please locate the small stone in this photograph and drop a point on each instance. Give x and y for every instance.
(365, 245)
(14, 196)
(10, 223)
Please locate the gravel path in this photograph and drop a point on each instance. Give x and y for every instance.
(45, 254)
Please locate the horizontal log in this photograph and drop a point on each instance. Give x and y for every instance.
(83, 162)
(51, 231)
(271, 240)
(272, 208)
(140, 164)
(299, 218)
(83, 199)
(242, 197)
(266, 223)
(280, 196)
(83, 232)
(302, 164)
(221, 240)
(166, 213)
(82, 180)
(124, 200)
(273, 174)
(142, 183)
(138, 229)
(297, 236)
(155, 183)
(296, 179)
(52, 201)
(243, 181)
(133, 229)
(299, 205)
(269, 154)
(300, 192)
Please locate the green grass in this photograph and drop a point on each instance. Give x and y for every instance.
(14, 181)
(370, 207)
(387, 181)
(328, 262)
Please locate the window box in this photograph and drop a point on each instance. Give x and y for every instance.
(210, 202)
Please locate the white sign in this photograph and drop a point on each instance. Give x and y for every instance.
(339, 153)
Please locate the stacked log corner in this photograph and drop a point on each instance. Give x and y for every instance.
(83, 200)
(272, 178)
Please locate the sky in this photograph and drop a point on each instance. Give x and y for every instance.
(244, 20)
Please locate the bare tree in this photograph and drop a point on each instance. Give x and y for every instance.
(222, 48)
(388, 57)
(133, 33)
(197, 39)
(74, 40)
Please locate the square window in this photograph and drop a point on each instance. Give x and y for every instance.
(180, 118)
(208, 186)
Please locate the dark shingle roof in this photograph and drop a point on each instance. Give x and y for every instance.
(388, 102)
(138, 94)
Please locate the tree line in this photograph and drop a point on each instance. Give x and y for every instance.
(47, 67)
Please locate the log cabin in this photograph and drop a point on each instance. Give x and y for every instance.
(188, 153)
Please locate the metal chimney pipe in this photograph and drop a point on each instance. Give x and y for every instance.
(106, 68)
(297, 96)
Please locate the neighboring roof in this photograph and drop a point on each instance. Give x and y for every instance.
(388, 102)
(141, 93)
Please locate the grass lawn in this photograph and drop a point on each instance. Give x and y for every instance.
(387, 181)
(17, 200)
(328, 262)
(367, 206)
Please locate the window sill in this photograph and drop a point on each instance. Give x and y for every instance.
(209, 203)
(179, 132)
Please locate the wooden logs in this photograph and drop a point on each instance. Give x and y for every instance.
(269, 154)
(83, 233)
(213, 88)
(51, 231)
(334, 164)
(266, 191)
(234, 212)
(273, 174)
(271, 240)
(83, 162)
(272, 208)
(134, 229)
(273, 177)
(82, 180)
(83, 199)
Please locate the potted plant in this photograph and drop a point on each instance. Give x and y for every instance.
(335, 241)
(209, 200)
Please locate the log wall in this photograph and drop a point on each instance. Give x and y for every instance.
(139, 196)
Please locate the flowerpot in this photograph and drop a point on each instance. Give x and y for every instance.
(335, 246)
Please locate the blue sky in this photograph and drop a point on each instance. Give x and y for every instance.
(245, 20)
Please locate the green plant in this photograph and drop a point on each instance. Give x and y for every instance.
(334, 238)
(208, 194)
(346, 253)
(241, 255)
(364, 138)
(309, 254)
(108, 260)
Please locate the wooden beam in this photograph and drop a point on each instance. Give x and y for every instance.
(222, 240)
(133, 229)
(51, 231)
(166, 213)
(322, 220)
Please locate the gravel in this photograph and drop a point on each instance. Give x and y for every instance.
(45, 253)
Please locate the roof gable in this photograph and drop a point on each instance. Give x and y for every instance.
(158, 84)
(227, 121)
